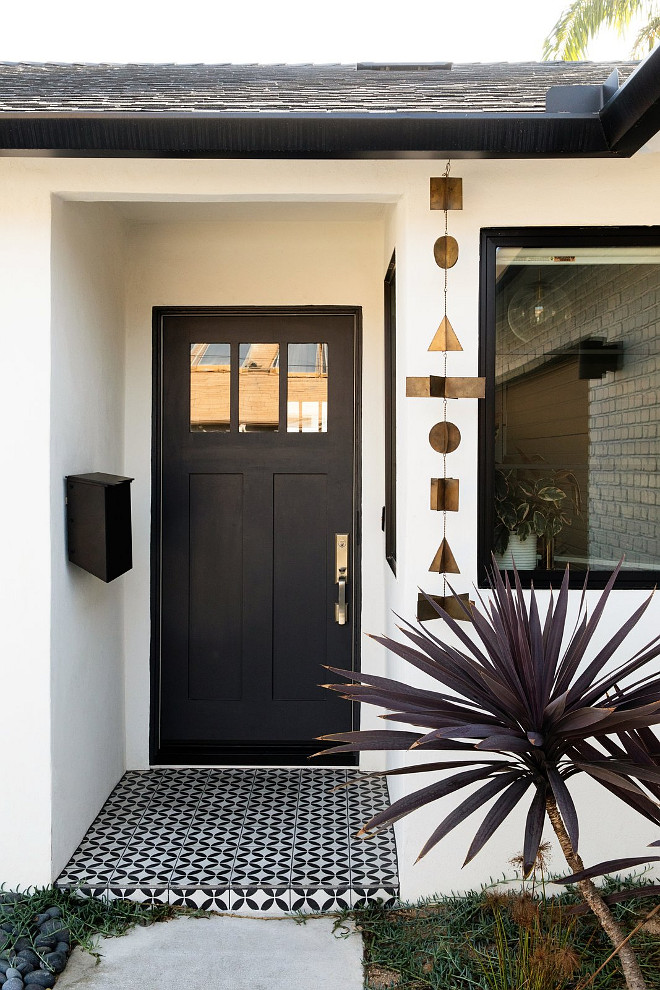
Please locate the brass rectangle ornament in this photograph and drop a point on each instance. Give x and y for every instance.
(464, 388)
(426, 612)
(436, 387)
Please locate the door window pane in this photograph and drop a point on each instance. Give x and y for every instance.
(259, 388)
(576, 427)
(209, 387)
(307, 384)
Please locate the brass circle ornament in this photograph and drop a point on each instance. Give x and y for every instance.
(445, 251)
(444, 437)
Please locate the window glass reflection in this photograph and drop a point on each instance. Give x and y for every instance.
(209, 388)
(577, 407)
(259, 388)
(307, 384)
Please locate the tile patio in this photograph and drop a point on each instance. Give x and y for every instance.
(238, 840)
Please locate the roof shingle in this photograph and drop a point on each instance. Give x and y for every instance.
(147, 88)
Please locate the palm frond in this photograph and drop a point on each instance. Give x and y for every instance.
(582, 20)
(647, 37)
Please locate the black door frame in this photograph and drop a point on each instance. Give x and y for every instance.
(159, 312)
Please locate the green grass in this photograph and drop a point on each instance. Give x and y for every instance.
(451, 943)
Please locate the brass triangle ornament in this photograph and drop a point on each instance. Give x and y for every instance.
(444, 561)
(445, 338)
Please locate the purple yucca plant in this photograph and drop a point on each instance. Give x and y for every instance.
(524, 714)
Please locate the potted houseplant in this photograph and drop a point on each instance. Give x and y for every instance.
(529, 509)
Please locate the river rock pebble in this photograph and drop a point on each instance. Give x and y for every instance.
(55, 961)
(32, 955)
(39, 978)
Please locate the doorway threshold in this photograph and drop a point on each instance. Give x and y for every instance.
(236, 839)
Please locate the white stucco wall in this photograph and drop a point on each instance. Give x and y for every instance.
(172, 258)
(87, 433)
(25, 532)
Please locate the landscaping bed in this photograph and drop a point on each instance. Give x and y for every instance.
(486, 940)
(490, 940)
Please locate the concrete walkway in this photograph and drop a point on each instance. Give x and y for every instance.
(222, 953)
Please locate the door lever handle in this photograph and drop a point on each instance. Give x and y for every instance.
(341, 576)
(341, 609)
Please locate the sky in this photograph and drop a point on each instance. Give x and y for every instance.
(290, 31)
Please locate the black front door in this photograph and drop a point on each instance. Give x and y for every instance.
(255, 473)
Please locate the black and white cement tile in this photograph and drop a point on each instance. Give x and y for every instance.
(264, 840)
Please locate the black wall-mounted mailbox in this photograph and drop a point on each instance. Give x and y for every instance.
(98, 516)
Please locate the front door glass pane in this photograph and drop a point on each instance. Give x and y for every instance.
(307, 396)
(259, 388)
(209, 388)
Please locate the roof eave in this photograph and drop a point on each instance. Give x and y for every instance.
(303, 135)
(632, 116)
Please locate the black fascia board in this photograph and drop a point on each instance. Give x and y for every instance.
(632, 115)
(302, 135)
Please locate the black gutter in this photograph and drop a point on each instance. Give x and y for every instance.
(632, 116)
(301, 135)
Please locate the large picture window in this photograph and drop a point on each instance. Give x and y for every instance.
(570, 430)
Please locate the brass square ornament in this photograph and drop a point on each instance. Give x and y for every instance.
(446, 193)
(444, 494)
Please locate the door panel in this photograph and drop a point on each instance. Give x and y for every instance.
(256, 475)
(215, 620)
(300, 576)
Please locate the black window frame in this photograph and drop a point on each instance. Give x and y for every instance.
(389, 510)
(530, 237)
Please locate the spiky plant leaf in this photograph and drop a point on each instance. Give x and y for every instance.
(610, 866)
(521, 686)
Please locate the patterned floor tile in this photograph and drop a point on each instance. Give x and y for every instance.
(362, 897)
(265, 900)
(373, 858)
(315, 899)
(263, 839)
(203, 898)
(145, 895)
